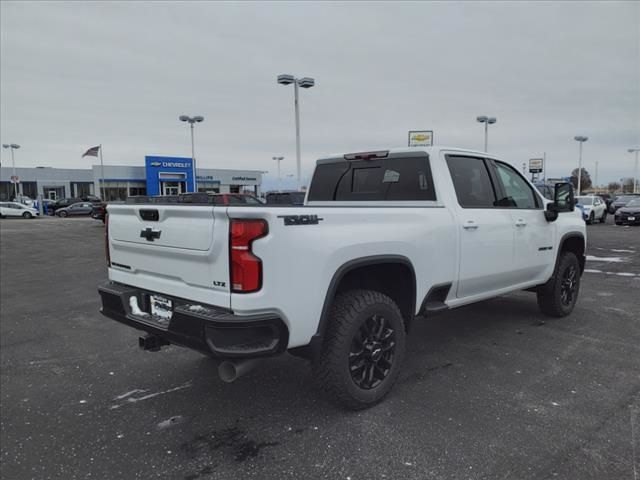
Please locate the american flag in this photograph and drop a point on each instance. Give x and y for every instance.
(92, 152)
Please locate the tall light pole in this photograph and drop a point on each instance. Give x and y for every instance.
(487, 121)
(278, 159)
(15, 146)
(635, 169)
(192, 121)
(304, 82)
(580, 139)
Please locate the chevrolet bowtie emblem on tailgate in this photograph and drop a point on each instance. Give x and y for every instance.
(150, 234)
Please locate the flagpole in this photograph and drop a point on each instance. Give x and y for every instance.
(102, 175)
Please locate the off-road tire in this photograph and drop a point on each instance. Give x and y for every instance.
(550, 295)
(352, 312)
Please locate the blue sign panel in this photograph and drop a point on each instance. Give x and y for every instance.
(173, 173)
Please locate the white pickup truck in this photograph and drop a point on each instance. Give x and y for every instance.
(384, 239)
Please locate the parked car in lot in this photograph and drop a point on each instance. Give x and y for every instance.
(607, 198)
(15, 209)
(64, 202)
(594, 208)
(82, 208)
(384, 239)
(285, 198)
(629, 214)
(621, 201)
(99, 212)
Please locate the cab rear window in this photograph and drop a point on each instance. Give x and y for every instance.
(395, 178)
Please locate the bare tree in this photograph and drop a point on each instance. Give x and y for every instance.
(585, 182)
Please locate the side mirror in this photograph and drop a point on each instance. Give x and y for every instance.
(563, 201)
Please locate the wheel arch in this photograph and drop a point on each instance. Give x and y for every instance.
(398, 282)
(573, 242)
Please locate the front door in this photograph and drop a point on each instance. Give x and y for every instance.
(172, 188)
(486, 231)
(533, 235)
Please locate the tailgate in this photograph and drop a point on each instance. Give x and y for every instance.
(180, 250)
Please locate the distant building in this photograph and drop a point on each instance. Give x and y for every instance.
(159, 176)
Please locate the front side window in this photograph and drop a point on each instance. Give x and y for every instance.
(517, 192)
(471, 181)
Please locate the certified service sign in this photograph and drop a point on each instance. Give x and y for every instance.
(420, 138)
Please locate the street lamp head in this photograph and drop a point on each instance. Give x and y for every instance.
(285, 79)
(6, 145)
(15, 145)
(198, 118)
(631, 150)
(482, 118)
(306, 82)
(491, 120)
(580, 138)
(183, 118)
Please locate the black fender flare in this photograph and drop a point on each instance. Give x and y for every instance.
(581, 259)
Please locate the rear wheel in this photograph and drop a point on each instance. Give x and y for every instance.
(27, 215)
(558, 296)
(603, 218)
(363, 349)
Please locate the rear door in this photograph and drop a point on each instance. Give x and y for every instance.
(180, 250)
(486, 231)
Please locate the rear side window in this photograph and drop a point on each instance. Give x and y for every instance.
(471, 181)
(401, 178)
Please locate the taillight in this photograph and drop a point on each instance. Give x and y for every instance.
(246, 268)
(106, 239)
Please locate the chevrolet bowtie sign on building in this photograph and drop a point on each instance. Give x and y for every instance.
(420, 138)
(168, 175)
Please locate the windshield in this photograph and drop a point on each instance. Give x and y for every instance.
(623, 198)
(585, 200)
(634, 203)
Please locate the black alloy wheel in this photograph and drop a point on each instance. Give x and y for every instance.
(569, 285)
(372, 352)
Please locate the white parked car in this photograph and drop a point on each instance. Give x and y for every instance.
(594, 208)
(14, 209)
(383, 240)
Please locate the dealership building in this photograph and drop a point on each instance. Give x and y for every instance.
(158, 176)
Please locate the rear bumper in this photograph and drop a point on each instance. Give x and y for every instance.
(205, 328)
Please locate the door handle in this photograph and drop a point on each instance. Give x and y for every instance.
(521, 223)
(470, 225)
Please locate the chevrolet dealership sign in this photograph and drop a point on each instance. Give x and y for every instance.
(420, 138)
(170, 164)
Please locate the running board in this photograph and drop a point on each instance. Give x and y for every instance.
(433, 303)
(434, 308)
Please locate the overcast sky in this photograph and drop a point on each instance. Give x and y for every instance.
(74, 75)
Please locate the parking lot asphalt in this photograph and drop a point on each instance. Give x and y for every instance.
(489, 391)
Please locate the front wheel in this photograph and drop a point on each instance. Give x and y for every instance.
(558, 296)
(591, 218)
(363, 349)
(63, 214)
(27, 215)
